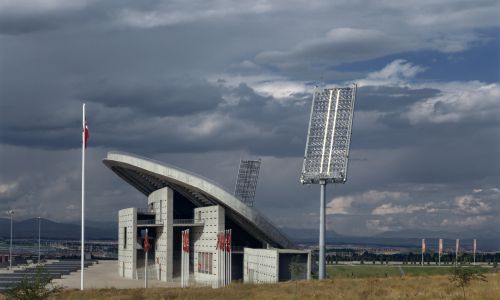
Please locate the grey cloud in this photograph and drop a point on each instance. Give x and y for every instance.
(390, 99)
(169, 98)
(339, 45)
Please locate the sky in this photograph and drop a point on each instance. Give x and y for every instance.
(203, 84)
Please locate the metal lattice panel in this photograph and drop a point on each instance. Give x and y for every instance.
(329, 136)
(246, 184)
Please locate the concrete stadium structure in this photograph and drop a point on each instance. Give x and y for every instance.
(179, 199)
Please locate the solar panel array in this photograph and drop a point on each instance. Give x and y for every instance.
(246, 183)
(329, 136)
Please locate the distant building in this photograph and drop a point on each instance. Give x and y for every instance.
(177, 200)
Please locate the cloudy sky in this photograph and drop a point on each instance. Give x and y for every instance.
(201, 84)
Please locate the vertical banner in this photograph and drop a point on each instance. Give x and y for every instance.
(423, 250)
(146, 247)
(223, 248)
(219, 260)
(228, 256)
(440, 251)
(185, 259)
(457, 248)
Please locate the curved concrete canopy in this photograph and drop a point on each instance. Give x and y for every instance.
(147, 176)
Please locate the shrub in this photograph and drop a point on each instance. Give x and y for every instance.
(35, 287)
(463, 276)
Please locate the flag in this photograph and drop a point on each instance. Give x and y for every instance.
(440, 246)
(457, 245)
(86, 133)
(228, 242)
(475, 246)
(423, 245)
(185, 241)
(147, 246)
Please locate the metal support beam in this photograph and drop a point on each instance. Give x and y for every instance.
(322, 227)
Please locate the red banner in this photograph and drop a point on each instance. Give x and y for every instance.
(228, 242)
(185, 241)
(147, 246)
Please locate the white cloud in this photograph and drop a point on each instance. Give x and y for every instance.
(460, 102)
(266, 85)
(7, 188)
(343, 204)
(339, 205)
(389, 208)
(469, 221)
(396, 73)
(469, 204)
(40, 6)
(178, 12)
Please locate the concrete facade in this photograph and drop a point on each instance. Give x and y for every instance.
(274, 265)
(127, 247)
(161, 202)
(204, 239)
(178, 200)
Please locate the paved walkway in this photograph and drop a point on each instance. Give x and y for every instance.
(104, 274)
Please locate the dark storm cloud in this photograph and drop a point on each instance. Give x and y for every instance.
(168, 98)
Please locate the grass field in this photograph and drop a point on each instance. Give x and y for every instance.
(363, 271)
(391, 288)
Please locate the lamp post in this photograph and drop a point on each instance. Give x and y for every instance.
(11, 213)
(327, 148)
(39, 231)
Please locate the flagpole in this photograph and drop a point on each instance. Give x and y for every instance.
(82, 246)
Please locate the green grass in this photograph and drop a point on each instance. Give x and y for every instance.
(363, 271)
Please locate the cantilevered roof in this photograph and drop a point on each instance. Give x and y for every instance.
(147, 176)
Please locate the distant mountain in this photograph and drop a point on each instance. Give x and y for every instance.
(53, 230)
(477, 234)
(487, 241)
(307, 235)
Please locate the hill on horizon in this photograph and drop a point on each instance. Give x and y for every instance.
(28, 228)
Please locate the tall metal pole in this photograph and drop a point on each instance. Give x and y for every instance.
(322, 226)
(11, 212)
(82, 259)
(39, 231)
(146, 265)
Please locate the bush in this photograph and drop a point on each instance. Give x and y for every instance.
(463, 276)
(36, 287)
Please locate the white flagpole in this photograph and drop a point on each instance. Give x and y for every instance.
(227, 258)
(182, 259)
(230, 256)
(219, 264)
(82, 245)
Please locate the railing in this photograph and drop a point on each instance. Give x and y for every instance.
(149, 222)
(145, 210)
(187, 221)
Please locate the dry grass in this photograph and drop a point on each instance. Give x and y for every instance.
(425, 287)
